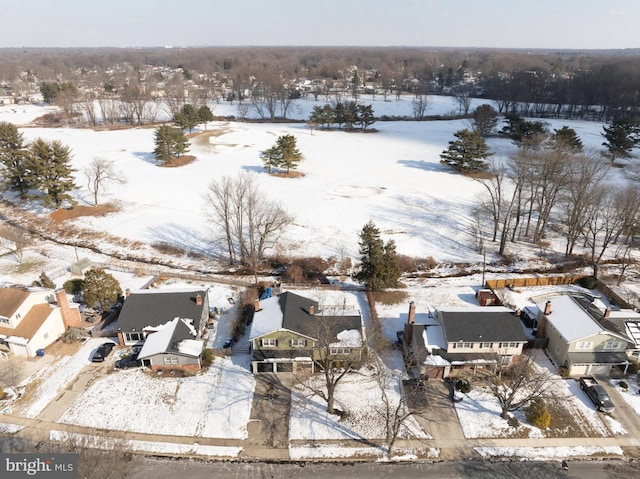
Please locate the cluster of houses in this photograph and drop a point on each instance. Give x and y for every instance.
(291, 333)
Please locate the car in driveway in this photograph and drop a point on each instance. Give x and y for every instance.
(102, 352)
(128, 362)
(227, 343)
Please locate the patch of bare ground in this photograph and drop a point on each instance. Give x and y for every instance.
(179, 161)
(202, 138)
(29, 265)
(390, 297)
(291, 174)
(565, 422)
(63, 214)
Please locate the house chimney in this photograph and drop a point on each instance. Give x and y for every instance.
(607, 312)
(70, 317)
(412, 313)
(312, 310)
(547, 308)
(198, 299)
(127, 293)
(256, 304)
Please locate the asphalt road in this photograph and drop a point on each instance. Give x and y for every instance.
(163, 469)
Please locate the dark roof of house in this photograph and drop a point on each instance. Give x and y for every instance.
(481, 326)
(141, 310)
(320, 325)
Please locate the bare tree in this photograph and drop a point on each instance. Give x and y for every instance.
(419, 106)
(87, 107)
(11, 373)
(518, 384)
(613, 213)
(462, 95)
(99, 172)
(586, 172)
(14, 239)
(250, 223)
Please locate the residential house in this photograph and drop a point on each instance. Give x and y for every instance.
(172, 345)
(445, 340)
(577, 341)
(33, 318)
(143, 312)
(289, 333)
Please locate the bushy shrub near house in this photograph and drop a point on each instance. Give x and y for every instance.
(538, 414)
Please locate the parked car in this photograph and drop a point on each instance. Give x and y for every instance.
(596, 393)
(102, 352)
(228, 342)
(128, 362)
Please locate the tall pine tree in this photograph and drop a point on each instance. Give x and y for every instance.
(379, 264)
(15, 159)
(170, 143)
(466, 152)
(290, 156)
(52, 174)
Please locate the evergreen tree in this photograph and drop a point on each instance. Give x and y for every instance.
(45, 281)
(322, 115)
(621, 137)
(340, 114)
(187, 118)
(290, 156)
(521, 130)
(51, 172)
(379, 265)
(566, 139)
(271, 157)
(100, 289)
(205, 115)
(170, 143)
(485, 119)
(466, 152)
(15, 159)
(351, 117)
(366, 116)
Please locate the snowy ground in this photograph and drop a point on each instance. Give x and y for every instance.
(214, 404)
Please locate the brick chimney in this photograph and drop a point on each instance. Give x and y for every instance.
(256, 304)
(198, 299)
(312, 310)
(607, 312)
(70, 316)
(412, 313)
(547, 308)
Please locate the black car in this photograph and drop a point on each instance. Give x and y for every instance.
(228, 343)
(102, 352)
(128, 362)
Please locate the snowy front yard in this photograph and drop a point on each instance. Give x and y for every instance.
(216, 403)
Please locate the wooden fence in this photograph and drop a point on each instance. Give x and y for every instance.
(532, 281)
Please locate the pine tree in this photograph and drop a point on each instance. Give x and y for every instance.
(379, 265)
(46, 282)
(485, 119)
(621, 137)
(51, 172)
(170, 143)
(467, 152)
(15, 159)
(187, 118)
(100, 289)
(205, 115)
(271, 157)
(366, 116)
(290, 156)
(566, 139)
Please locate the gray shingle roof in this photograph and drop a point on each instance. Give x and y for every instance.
(481, 326)
(296, 317)
(153, 309)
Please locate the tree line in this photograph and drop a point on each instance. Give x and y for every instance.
(347, 115)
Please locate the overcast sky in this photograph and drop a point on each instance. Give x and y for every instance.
(558, 24)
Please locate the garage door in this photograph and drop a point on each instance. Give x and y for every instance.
(265, 367)
(579, 369)
(599, 369)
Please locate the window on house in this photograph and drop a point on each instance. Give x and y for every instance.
(133, 337)
(298, 343)
(170, 360)
(508, 345)
(269, 343)
(339, 351)
(557, 349)
(4, 320)
(584, 345)
(486, 345)
(45, 335)
(612, 345)
(18, 316)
